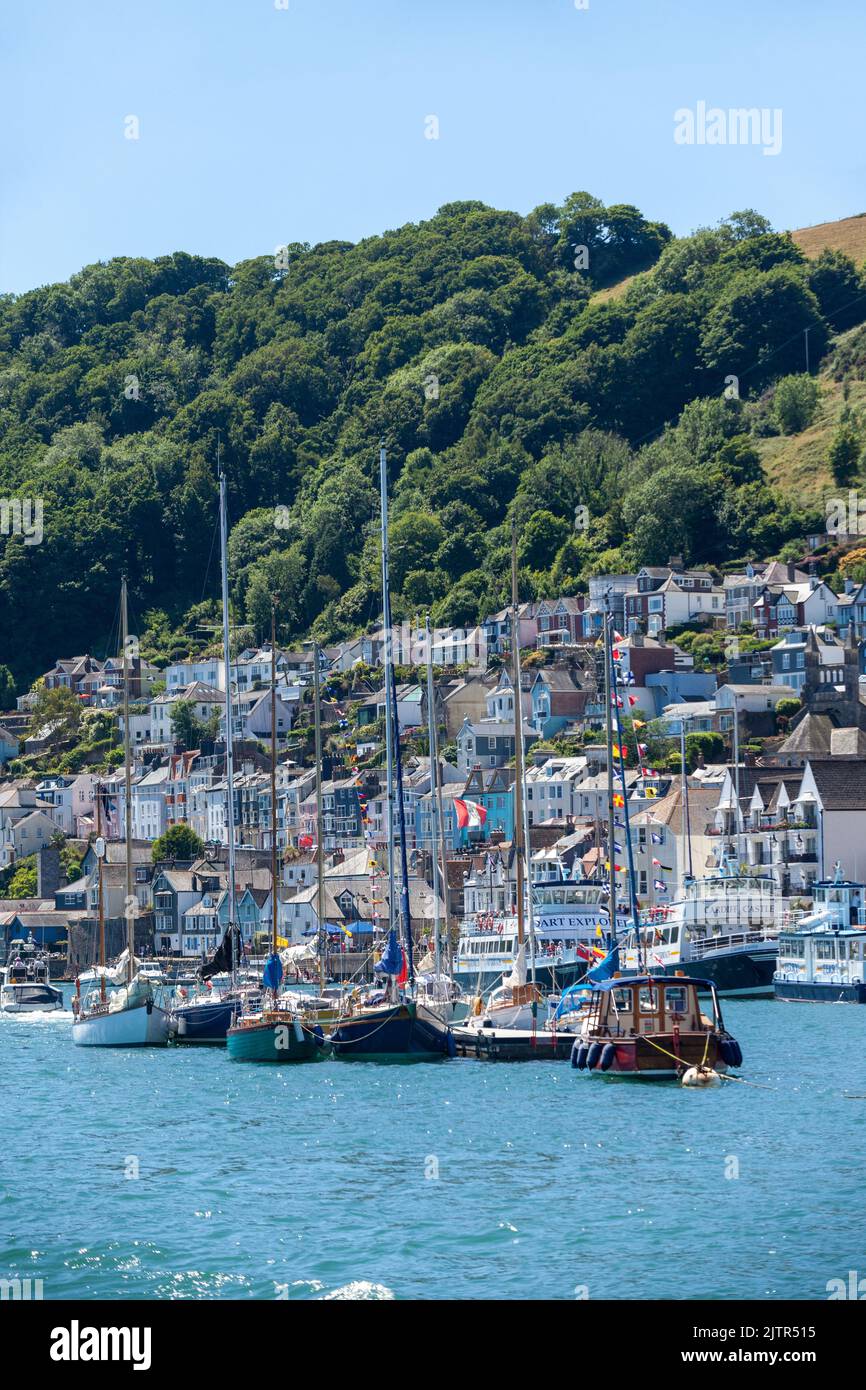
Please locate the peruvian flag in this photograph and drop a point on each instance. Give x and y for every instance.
(469, 813)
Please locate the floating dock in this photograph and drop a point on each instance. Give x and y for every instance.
(513, 1044)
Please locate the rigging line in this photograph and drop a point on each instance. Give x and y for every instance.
(209, 559)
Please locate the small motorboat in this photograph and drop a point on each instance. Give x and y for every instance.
(652, 1027)
(26, 986)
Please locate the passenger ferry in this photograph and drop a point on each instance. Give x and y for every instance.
(724, 929)
(823, 958)
(567, 916)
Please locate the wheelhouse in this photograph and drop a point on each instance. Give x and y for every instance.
(631, 1007)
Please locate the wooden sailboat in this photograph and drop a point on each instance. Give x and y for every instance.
(400, 1026)
(515, 1003)
(130, 1017)
(278, 1033)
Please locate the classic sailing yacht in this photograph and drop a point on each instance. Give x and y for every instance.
(401, 1026)
(515, 1003)
(130, 1017)
(277, 1033)
(207, 1017)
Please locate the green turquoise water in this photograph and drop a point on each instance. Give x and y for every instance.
(454, 1179)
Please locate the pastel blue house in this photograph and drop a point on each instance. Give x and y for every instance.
(8, 745)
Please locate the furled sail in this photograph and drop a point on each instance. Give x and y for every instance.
(222, 959)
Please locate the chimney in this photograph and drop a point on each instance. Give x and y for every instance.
(792, 570)
(49, 875)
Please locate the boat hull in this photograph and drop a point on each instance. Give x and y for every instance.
(815, 993)
(659, 1058)
(400, 1030)
(26, 999)
(205, 1023)
(744, 974)
(146, 1025)
(274, 1040)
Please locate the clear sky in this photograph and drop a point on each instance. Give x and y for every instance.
(261, 125)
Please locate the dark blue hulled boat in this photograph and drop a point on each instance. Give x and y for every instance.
(394, 1027)
(399, 1025)
(206, 1020)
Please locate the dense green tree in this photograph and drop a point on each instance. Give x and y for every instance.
(179, 842)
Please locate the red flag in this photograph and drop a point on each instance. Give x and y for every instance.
(404, 969)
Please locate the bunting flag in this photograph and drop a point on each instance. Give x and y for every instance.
(659, 886)
(618, 799)
(650, 791)
(620, 752)
(617, 636)
(641, 748)
(656, 839)
(617, 868)
(632, 699)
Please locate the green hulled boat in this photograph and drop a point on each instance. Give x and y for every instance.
(274, 1036)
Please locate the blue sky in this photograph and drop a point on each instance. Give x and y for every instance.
(260, 125)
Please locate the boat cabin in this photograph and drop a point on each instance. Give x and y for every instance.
(838, 902)
(630, 1007)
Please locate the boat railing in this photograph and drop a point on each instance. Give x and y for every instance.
(720, 941)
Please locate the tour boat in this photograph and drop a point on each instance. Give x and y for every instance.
(823, 959)
(568, 917)
(725, 929)
(26, 986)
(651, 1027)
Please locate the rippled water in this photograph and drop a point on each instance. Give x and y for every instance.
(455, 1179)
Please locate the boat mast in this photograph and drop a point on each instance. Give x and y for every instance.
(101, 898)
(229, 740)
(608, 698)
(320, 820)
(275, 897)
(395, 762)
(434, 796)
(737, 777)
(386, 627)
(519, 841)
(127, 779)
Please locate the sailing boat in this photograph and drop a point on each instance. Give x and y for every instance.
(515, 1003)
(130, 1017)
(399, 1026)
(208, 1017)
(278, 1033)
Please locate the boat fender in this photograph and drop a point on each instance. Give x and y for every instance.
(582, 1054)
(149, 1006)
(575, 1053)
(450, 1045)
(607, 1056)
(299, 1030)
(593, 1055)
(318, 1034)
(181, 1027)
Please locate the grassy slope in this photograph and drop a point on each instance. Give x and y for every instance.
(797, 463)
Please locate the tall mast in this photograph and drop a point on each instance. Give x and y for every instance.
(737, 776)
(127, 780)
(519, 840)
(386, 625)
(320, 821)
(392, 739)
(230, 765)
(434, 796)
(608, 699)
(100, 889)
(274, 893)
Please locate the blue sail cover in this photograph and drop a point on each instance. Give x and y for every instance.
(392, 961)
(272, 976)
